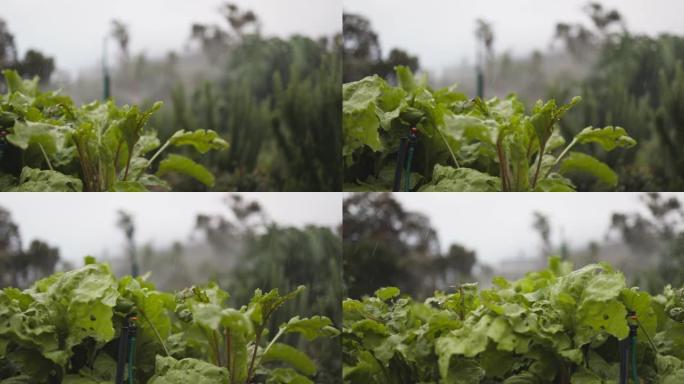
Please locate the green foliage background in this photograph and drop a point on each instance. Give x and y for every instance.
(278, 101)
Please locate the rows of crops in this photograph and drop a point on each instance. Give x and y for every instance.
(68, 328)
(552, 326)
(463, 144)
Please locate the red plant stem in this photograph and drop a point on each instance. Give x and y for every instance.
(116, 157)
(503, 167)
(251, 363)
(128, 164)
(536, 172)
(229, 354)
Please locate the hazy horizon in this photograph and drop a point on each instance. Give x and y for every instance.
(441, 33)
(498, 226)
(85, 224)
(72, 31)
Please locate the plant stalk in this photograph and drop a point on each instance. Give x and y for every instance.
(47, 160)
(560, 157)
(453, 156)
(151, 160)
(116, 158)
(503, 167)
(250, 371)
(540, 157)
(229, 354)
(156, 332)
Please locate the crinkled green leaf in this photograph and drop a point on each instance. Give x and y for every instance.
(202, 140)
(448, 179)
(608, 137)
(387, 293)
(359, 121)
(36, 180)
(47, 136)
(286, 376)
(129, 186)
(172, 371)
(311, 328)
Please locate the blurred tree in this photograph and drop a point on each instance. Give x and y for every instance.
(484, 34)
(647, 233)
(38, 261)
(213, 40)
(660, 233)
(307, 124)
(221, 231)
(580, 40)
(242, 22)
(361, 52)
(36, 64)
(577, 38)
(20, 268)
(120, 33)
(536, 73)
(277, 103)
(127, 225)
(361, 47)
(671, 267)
(461, 259)
(8, 49)
(603, 18)
(10, 248)
(284, 258)
(453, 268)
(385, 68)
(33, 64)
(541, 224)
(594, 249)
(249, 214)
(140, 67)
(637, 82)
(384, 244)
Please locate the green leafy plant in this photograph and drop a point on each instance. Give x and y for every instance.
(464, 144)
(65, 328)
(234, 337)
(674, 307)
(552, 326)
(55, 146)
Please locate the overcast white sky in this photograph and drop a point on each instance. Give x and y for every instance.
(495, 225)
(499, 225)
(85, 223)
(441, 32)
(73, 30)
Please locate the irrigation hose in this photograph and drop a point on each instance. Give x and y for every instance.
(400, 164)
(623, 349)
(121, 360)
(635, 376)
(131, 359)
(407, 176)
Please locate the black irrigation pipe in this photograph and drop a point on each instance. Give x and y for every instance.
(627, 349)
(126, 354)
(407, 146)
